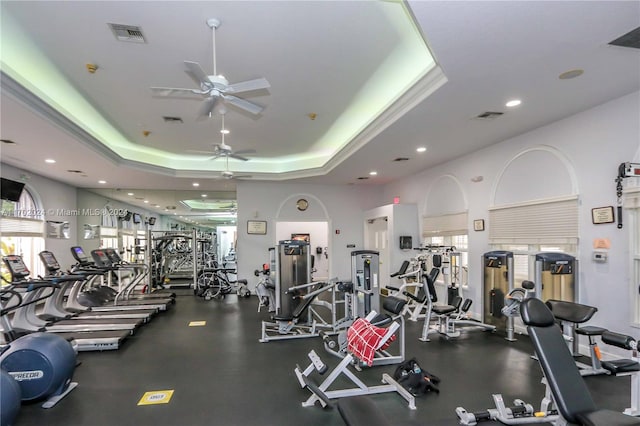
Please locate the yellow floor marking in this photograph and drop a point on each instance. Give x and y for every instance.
(156, 397)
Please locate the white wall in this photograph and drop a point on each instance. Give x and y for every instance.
(594, 143)
(57, 199)
(341, 206)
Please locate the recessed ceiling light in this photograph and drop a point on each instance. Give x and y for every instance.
(421, 149)
(513, 103)
(567, 75)
(373, 173)
(50, 160)
(204, 195)
(156, 205)
(102, 182)
(224, 131)
(146, 201)
(129, 193)
(195, 184)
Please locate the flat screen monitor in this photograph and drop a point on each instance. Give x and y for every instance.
(79, 254)
(50, 261)
(152, 221)
(16, 267)
(11, 190)
(137, 218)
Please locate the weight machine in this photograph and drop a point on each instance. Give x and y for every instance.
(625, 170)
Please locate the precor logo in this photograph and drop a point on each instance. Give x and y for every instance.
(27, 375)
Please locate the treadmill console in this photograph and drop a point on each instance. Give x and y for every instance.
(100, 258)
(50, 263)
(113, 255)
(80, 256)
(16, 267)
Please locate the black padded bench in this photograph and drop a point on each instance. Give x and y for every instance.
(567, 386)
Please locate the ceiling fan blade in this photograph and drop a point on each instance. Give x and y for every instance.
(197, 151)
(237, 157)
(245, 86)
(243, 104)
(169, 91)
(194, 70)
(245, 151)
(207, 107)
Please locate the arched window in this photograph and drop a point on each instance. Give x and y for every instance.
(22, 231)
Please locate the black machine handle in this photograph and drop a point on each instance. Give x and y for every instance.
(6, 295)
(619, 217)
(36, 285)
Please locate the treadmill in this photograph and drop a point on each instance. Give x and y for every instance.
(54, 306)
(109, 295)
(37, 291)
(140, 270)
(28, 318)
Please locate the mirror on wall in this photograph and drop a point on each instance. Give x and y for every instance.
(91, 232)
(57, 229)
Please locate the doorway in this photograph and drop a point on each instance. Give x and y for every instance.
(317, 234)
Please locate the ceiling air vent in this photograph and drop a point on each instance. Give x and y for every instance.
(128, 33)
(401, 159)
(363, 178)
(630, 39)
(172, 119)
(488, 115)
(7, 141)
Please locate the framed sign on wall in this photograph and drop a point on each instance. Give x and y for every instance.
(257, 227)
(602, 215)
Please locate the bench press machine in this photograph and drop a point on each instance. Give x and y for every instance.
(325, 391)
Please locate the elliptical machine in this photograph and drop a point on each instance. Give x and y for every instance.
(42, 363)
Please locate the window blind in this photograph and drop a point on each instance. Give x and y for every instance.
(445, 225)
(546, 221)
(21, 227)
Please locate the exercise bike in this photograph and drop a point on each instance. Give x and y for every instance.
(214, 283)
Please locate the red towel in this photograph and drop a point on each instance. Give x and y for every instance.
(365, 339)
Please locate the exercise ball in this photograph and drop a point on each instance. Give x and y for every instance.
(9, 399)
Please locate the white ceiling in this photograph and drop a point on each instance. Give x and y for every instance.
(317, 56)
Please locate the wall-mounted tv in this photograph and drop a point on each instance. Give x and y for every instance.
(137, 218)
(152, 221)
(127, 216)
(10, 190)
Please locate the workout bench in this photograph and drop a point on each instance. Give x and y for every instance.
(569, 391)
(322, 392)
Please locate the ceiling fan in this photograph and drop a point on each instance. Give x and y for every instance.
(228, 174)
(224, 150)
(216, 88)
